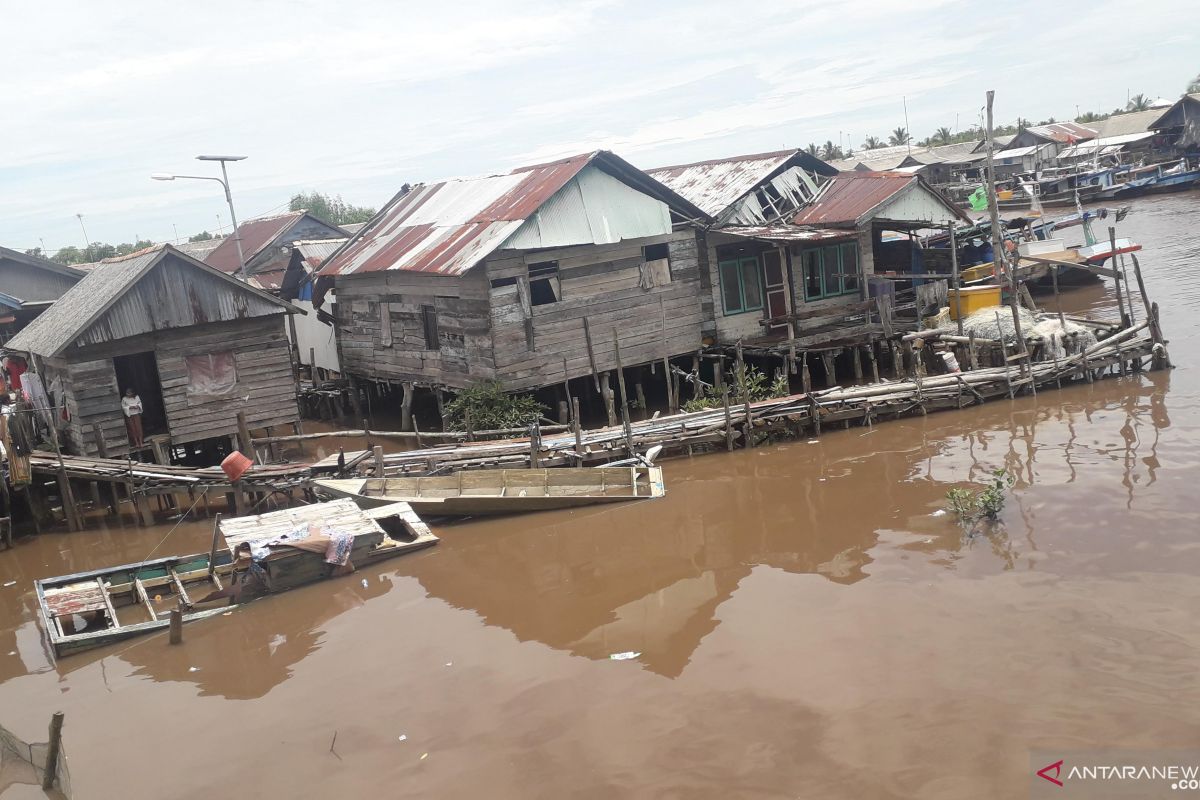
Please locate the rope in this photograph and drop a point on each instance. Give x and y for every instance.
(182, 517)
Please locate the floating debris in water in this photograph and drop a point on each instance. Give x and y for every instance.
(364, 583)
(193, 669)
(623, 656)
(941, 512)
(403, 737)
(424, 756)
(10, 583)
(449, 663)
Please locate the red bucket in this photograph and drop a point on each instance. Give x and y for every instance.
(235, 465)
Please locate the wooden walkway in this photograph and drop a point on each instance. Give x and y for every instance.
(745, 423)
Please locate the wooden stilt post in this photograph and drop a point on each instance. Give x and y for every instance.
(212, 551)
(355, 397)
(728, 418)
(378, 451)
(897, 360)
(440, 394)
(1162, 359)
(606, 393)
(874, 362)
(954, 282)
(624, 393)
(587, 335)
(1057, 299)
(749, 424)
(406, 404)
(671, 399)
(176, 636)
(805, 373)
(70, 510)
(972, 352)
(245, 443)
(53, 749)
(1112, 239)
(827, 358)
(640, 394)
(577, 425)
(535, 445)
(856, 359)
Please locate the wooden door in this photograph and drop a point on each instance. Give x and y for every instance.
(775, 287)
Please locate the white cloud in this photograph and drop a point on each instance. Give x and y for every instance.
(356, 100)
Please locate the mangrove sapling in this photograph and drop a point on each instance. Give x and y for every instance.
(985, 504)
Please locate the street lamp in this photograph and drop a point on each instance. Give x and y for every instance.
(224, 181)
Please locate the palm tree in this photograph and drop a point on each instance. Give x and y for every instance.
(873, 142)
(1139, 102)
(831, 152)
(943, 135)
(1022, 124)
(812, 149)
(899, 136)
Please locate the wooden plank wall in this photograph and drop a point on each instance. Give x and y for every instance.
(602, 283)
(482, 332)
(265, 389)
(393, 298)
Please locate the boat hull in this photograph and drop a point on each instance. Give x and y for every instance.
(492, 492)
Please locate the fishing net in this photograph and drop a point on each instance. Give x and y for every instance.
(997, 323)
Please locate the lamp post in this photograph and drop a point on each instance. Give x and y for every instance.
(224, 181)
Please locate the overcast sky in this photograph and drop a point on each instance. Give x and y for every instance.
(357, 98)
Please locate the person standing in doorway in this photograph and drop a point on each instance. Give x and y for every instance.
(131, 404)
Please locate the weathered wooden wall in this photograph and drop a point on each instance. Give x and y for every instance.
(603, 284)
(265, 388)
(381, 333)
(485, 333)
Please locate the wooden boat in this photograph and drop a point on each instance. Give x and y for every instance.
(503, 491)
(98, 607)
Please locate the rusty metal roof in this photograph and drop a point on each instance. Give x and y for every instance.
(256, 235)
(315, 251)
(114, 302)
(1063, 132)
(717, 184)
(449, 226)
(852, 196)
(785, 233)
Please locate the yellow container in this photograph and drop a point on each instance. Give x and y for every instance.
(972, 299)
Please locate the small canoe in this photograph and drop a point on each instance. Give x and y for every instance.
(95, 608)
(502, 491)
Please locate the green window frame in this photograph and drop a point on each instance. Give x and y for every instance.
(741, 285)
(830, 271)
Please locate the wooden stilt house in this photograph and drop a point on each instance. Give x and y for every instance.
(530, 277)
(196, 344)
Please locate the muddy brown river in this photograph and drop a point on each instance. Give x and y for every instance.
(806, 622)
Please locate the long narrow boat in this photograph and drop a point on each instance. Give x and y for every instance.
(262, 554)
(502, 491)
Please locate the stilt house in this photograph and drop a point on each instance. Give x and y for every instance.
(528, 277)
(196, 344)
(28, 286)
(267, 246)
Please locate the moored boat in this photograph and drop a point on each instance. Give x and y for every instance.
(502, 491)
(261, 554)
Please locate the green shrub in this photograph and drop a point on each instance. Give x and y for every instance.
(986, 503)
(753, 386)
(489, 407)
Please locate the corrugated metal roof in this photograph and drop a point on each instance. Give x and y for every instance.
(717, 184)
(448, 227)
(852, 196)
(315, 251)
(256, 235)
(1125, 124)
(1106, 144)
(202, 248)
(785, 233)
(353, 227)
(118, 300)
(1063, 132)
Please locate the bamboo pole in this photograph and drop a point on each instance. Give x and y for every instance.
(212, 551)
(176, 635)
(624, 393)
(956, 284)
(1112, 239)
(728, 418)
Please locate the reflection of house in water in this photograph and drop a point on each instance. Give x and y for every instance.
(247, 654)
